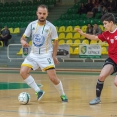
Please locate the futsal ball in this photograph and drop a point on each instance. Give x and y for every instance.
(24, 98)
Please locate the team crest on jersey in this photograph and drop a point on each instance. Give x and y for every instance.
(115, 37)
(38, 40)
(112, 40)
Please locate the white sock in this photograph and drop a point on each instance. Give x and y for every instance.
(59, 87)
(31, 82)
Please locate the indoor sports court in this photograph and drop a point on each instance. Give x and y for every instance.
(79, 87)
(80, 36)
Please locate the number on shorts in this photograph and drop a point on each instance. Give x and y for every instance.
(49, 60)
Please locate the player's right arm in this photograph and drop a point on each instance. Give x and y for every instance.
(89, 36)
(26, 34)
(24, 42)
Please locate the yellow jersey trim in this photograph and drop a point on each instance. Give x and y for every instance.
(27, 65)
(46, 68)
(56, 39)
(24, 36)
(41, 24)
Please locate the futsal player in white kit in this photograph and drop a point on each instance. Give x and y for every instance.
(43, 53)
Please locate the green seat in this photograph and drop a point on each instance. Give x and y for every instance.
(47, 2)
(97, 15)
(77, 5)
(74, 23)
(7, 9)
(74, 10)
(3, 14)
(83, 16)
(35, 3)
(18, 24)
(29, 3)
(6, 4)
(1, 4)
(68, 16)
(65, 17)
(92, 21)
(32, 12)
(62, 17)
(55, 23)
(60, 23)
(75, 16)
(67, 23)
(1, 19)
(88, 21)
(97, 21)
(8, 24)
(2, 24)
(12, 4)
(81, 22)
(11, 14)
(69, 11)
(23, 3)
(24, 24)
(12, 25)
(17, 4)
(53, 2)
(41, 2)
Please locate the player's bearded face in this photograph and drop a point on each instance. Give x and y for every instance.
(42, 14)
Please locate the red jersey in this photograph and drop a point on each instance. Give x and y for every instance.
(111, 39)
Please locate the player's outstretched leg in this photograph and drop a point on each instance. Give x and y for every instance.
(99, 88)
(58, 84)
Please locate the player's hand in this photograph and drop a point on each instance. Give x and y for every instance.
(55, 60)
(24, 43)
(78, 30)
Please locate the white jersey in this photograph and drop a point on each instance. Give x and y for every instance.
(42, 36)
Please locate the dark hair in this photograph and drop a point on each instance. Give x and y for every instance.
(42, 6)
(108, 17)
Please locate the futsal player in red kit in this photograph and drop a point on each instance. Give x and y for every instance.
(110, 65)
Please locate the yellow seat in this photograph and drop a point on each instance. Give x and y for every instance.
(76, 42)
(76, 50)
(103, 43)
(93, 42)
(69, 36)
(61, 29)
(102, 27)
(1, 44)
(75, 27)
(69, 29)
(20, 52)
(82, 37)
(11, 30)
(76, 36)
(71, 50)
(16, 30)
(85, 42)
(61, 36)
(104, 50)
(30, 43)
(61, 42)
(84, 28)
(69, 42)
